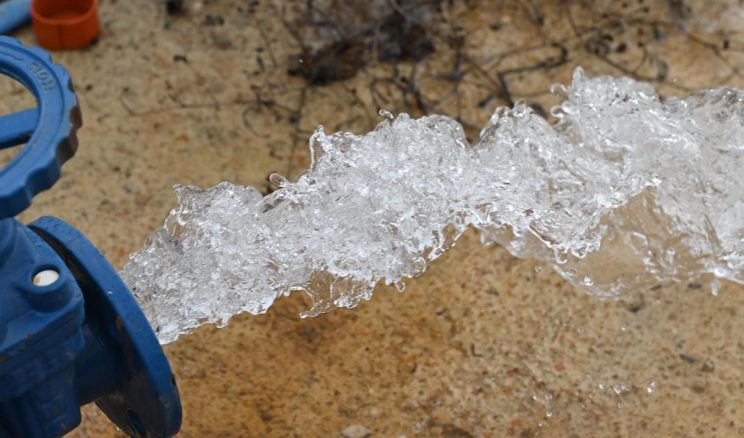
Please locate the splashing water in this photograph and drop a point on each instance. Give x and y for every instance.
(623, 192)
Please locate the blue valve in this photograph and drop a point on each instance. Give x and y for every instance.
(70, 331)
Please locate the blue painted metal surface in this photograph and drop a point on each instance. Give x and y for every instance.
(42, 337)
(126, 372)
(82, 338)
(37, 166)
(14, 14)
(17, 128)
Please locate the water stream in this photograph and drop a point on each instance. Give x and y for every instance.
(623, 192)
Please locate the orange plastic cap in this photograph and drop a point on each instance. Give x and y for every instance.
(65, 24)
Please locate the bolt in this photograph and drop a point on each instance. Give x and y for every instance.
(46, 277)
(49, 289)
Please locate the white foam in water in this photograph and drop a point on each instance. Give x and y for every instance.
(623, 192)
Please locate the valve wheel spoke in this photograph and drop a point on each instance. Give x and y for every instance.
(17, 128)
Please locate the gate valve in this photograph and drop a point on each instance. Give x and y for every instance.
(71, 333)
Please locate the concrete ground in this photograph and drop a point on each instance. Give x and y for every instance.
(484, 344)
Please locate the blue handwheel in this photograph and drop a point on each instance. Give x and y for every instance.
(49, 130)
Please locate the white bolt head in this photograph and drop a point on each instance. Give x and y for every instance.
(46, 277)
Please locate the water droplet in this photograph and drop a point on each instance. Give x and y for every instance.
(561, 258)
(387, 115)
(621, 388)
(578, 74)
(559, 90)
(715, 287)
(651, 387)
(278, 180)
